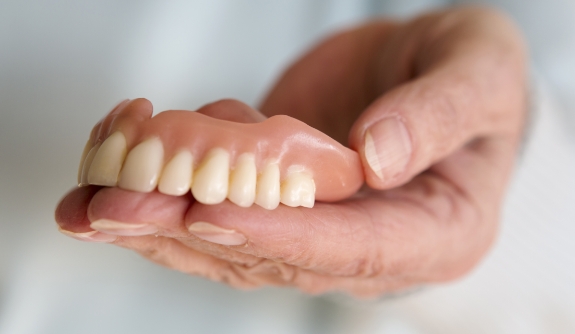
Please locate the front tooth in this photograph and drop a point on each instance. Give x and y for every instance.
(298, 190)
(243, 181)
(87, 148)
(210, 185)
(88, 163)
(108, 161)
(176, 178)
(268, 187)
(143, 166)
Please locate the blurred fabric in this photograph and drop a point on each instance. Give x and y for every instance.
(64, 64)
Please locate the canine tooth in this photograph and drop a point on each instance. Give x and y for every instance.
(298, 190)
(108, 161)
(268, 187)
(210, 184)
(87, 148)
(176, 178)
(88, 163)
(143, 166)
(242, 190)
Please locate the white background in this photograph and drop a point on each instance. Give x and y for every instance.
(64, 64)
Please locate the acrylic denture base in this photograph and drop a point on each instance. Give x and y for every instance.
(280, 160)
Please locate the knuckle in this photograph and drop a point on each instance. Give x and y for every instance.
(442, 112)
(229, 275)
(281, 272)
(157, 251)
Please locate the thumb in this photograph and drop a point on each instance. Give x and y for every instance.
(418, 124)
(470, 86)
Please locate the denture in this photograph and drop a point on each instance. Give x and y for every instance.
(278, 160)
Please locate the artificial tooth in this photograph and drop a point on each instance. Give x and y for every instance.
(210, 184)
(88, 163)
(242, 190)
(176, 177)
(143, 166)
(298, 190)
(268, 187)
(108, 161)
(87, 148)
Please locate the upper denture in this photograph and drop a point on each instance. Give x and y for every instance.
(224, 159)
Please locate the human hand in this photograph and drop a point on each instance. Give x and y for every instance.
(451, 86)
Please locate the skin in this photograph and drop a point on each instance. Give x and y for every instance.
(456, 79)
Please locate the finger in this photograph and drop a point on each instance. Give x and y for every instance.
(115, 211)
(333, 239)
(175, 255)
(72, 219)
(192, 255)
(119, 212)
(126, 213)
(365, 288)
(361, 238)
(187, 254)
(171, 253)
(470, 70)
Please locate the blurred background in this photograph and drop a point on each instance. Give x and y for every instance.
(64, 64)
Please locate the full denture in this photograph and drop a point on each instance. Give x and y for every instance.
(277, 160)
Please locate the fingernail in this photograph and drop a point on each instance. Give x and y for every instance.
(387, 148)
(118, 228)
(90, 236)
(217, 235)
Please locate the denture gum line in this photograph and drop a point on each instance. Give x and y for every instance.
(212, 181)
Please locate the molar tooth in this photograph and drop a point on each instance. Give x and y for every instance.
(298, 190)
(87, 148)
(210, 185)
(268, 187)
(242, 190)
(88, 163)
(108, 161)
(143, 166)
(176, 178)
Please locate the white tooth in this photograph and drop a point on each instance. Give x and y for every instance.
(143, 166)
(87, 148)
(242, 190)
(268, 187)
(298, 190)
(88, 163)
(176, 178)
(108, 161)
(210, 185)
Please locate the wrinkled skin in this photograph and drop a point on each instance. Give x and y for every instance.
(455, 78)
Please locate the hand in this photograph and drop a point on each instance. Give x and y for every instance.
(434, 106)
